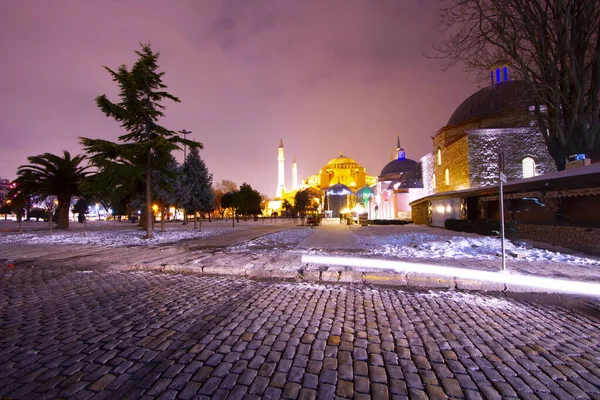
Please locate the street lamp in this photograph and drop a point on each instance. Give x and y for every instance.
(184, 133)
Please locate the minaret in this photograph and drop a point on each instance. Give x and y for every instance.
(294, 175)
(280, 171)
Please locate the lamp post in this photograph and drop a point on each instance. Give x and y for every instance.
(184, 133)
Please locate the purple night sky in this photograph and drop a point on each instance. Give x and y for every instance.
(326, 75)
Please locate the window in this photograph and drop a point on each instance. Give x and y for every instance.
(528, 167)
(447, 176)
(439, 156)
(433, 182)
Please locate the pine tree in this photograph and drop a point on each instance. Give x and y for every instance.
(147, 146)
(197, 182)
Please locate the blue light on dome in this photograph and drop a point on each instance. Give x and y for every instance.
(401, 154)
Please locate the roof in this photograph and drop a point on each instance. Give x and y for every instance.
(342, 162)
(338, 189)
(494, 99)
(570, 179)
(398, 166)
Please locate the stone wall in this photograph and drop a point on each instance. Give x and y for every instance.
(420, 213)
(517, 143)
(455, 158)
(576, 238)
(469, 152)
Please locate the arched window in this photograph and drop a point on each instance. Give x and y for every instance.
(433, 181)
(439, 156)
(528, 167)
(447, 176)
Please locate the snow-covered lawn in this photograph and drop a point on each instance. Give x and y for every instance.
(110, 234)
(414, 241)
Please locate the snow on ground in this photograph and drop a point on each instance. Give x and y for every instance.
(437, 243)
(109, 238)
(275, 241)
(467, 299)
(406, 242)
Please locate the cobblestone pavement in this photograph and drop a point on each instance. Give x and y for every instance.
(108, 334)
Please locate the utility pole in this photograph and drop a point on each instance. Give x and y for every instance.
(184, 133)
(501, 196)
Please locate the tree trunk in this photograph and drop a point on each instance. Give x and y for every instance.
(149, 233)
(200, 225)
(195, 219)
(64, 203)
(162, 217)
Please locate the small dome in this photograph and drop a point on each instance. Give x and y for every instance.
(398, 166)
(338, 189)
(502, 97)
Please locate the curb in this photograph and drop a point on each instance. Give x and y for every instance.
(394, 280)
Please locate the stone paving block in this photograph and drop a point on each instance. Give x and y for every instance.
(472, 284)
(236, 332)
(424, 281)
(385, 279)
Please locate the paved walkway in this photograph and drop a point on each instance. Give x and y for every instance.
(102, 334)
(331, 235)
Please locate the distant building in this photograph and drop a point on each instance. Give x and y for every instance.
(4, 187)
(399, 183)
(332, 188)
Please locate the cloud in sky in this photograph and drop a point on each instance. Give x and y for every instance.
(325, 75)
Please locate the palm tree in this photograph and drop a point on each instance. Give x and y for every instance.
(51, 175)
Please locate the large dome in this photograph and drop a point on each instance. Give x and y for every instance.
(398, 166)
(493, 99)
(342, 162)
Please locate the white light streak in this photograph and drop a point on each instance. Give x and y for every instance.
(550, 284)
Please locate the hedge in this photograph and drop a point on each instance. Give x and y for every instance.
(486, 227)
(390, 222)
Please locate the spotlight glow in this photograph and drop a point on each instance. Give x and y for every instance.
(550, 284)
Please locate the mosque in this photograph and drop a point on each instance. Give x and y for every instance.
(332, 189)
(343, 186)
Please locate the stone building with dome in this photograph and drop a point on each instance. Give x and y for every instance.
(399, 183)
(465, 151)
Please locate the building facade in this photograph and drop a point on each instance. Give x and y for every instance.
(495, 118)
(399, 183)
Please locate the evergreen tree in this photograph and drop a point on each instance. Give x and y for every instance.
(247, 200)
(164, 188)
(147, 146)
(197, 182)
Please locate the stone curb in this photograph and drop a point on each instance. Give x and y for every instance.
(396, 280)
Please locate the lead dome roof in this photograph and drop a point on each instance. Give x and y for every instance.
(498, 98)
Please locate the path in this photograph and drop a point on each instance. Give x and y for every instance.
(331, 235)
(104, 334)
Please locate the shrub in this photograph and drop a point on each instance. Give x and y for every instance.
(485, 227)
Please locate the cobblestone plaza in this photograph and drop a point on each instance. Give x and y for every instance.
(67, 331)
